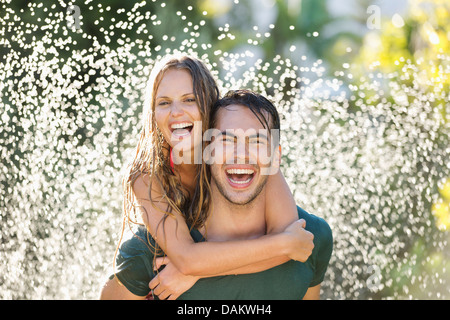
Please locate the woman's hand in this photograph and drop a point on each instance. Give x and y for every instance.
(300, 241)
(170, 283)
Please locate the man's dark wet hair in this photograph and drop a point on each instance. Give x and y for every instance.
(258, 104)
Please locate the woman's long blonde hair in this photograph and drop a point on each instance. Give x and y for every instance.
(152, 152)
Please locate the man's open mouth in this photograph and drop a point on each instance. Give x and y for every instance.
(240, 177)
(180, 130)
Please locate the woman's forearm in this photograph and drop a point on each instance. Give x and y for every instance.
(258, 266)
(210, 258)
(242, 257)
(249, 256)
(232, 257)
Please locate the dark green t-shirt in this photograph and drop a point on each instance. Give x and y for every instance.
(288, 281)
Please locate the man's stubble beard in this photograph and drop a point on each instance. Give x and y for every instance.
(246, 202)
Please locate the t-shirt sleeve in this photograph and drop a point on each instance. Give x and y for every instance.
(134, 265)
(324, 250)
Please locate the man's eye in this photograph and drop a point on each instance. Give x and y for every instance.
(257, 141)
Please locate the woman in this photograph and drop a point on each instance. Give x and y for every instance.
(173, 194)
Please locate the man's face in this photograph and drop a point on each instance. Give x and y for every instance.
(240, 150)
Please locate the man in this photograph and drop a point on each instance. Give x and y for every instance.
(238, 175)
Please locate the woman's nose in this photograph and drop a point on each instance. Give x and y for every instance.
(176, 110)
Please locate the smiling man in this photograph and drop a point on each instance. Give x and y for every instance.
(242, 146)
(245, 150)
(242, 143)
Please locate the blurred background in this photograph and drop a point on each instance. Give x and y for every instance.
(362, 88)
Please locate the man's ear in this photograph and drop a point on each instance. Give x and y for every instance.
(276, 160)
(279, 154)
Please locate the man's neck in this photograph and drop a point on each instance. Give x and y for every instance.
(229, 221)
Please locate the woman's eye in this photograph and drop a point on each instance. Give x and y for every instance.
(190, 100)
(163, 103)
(227, 140)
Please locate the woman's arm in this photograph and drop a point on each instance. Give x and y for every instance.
(282, 211)
(211, 258)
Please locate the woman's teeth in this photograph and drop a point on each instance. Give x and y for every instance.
(181, 129)
(181, 125)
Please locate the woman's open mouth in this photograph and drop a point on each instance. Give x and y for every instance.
(181, 129)
(240, 177)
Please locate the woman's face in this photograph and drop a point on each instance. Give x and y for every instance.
(177, 112)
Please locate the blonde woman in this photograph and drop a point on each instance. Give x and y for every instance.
(170, 188)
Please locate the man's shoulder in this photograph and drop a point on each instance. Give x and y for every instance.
(317, 226)
(323, 244)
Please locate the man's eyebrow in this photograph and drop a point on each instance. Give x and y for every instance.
(259, 135)
(256, 135)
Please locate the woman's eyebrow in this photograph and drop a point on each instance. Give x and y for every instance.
(165, 97)
(228, 133)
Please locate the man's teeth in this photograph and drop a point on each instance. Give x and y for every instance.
(181, 125)
(241, 182)
(240, 171)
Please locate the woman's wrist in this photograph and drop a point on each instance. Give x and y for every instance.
(284, 243)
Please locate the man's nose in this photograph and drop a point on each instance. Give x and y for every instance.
(242, 152)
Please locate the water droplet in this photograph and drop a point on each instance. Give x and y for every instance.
(397, 21)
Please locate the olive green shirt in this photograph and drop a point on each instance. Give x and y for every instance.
(288, 281)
